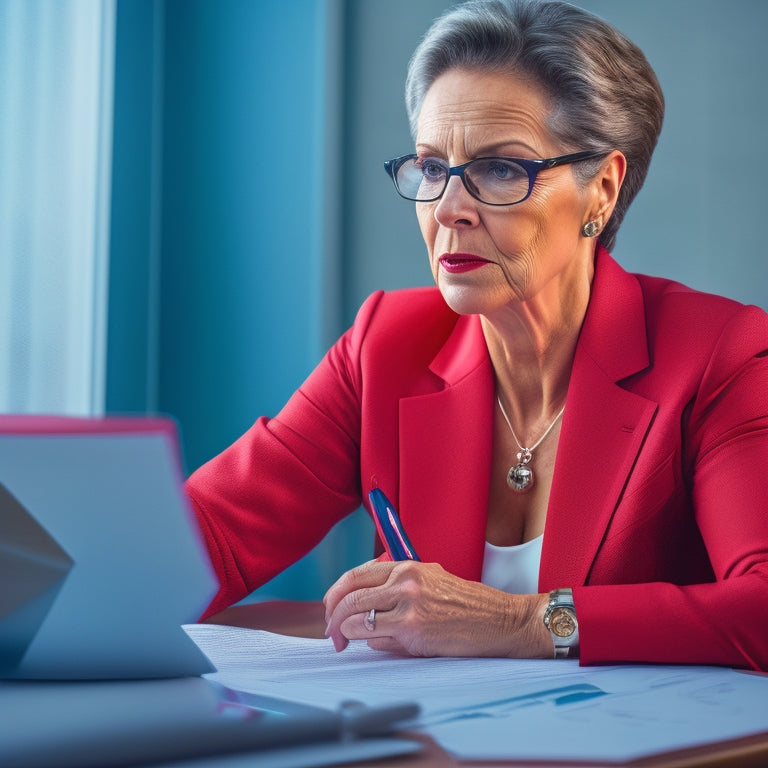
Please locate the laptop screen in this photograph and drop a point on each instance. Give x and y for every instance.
(101, 560)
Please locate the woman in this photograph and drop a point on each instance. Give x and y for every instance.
(577, 453)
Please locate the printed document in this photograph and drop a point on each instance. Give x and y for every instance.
(502, 708)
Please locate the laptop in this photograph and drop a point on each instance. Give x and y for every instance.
(101, 560)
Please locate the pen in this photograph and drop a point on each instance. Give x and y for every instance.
(351, 719)
(389, 527)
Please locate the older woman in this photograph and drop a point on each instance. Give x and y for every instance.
(577, 453)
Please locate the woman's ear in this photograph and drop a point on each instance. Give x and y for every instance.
(607, 184)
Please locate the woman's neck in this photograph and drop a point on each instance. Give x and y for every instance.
(532, 345)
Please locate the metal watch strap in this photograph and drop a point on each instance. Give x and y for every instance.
(560, 620)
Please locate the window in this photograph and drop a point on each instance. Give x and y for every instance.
(56, 79)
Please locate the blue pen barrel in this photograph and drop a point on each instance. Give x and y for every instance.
(390, 527)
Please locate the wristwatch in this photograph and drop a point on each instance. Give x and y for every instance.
(560, 620)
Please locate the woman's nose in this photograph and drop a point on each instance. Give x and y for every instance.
(456, 208)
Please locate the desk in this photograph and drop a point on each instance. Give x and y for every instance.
(306, 620)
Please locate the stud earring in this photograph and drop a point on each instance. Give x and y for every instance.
(590, 229)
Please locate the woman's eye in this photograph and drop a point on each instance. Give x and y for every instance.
(432, 170)
(502, 171)
(498, 170)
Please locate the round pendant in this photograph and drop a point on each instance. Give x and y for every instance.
(520, 478)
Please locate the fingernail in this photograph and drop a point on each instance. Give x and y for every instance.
(339, 642)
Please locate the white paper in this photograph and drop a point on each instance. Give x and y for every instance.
(503, 708)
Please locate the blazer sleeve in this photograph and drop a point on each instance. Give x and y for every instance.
(270, 497)
(725, 437)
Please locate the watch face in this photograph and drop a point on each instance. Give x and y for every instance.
(562, 622)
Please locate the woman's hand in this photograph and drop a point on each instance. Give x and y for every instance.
(423, 610)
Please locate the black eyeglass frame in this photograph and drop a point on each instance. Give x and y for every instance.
(531, 167)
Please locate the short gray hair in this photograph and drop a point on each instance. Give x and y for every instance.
(605, 93)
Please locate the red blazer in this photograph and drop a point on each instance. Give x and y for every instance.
(658, 514)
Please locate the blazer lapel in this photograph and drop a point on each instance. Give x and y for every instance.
(603, 428)
(445, 455)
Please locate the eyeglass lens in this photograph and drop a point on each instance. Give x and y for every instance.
(497, 181)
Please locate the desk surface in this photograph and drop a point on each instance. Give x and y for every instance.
(306, 620)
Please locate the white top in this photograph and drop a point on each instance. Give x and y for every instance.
(513, 569)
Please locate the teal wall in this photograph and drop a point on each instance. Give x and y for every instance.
(251, 214)
(217, 238)
(241, 243)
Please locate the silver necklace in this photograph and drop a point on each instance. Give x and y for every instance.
(520, 477)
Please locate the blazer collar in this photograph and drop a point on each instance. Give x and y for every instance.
(614, 333)
(463, 352)
(446, 439)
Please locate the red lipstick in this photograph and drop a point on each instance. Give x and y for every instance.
(461, 262)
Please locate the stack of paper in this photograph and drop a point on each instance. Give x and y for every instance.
(504, 708)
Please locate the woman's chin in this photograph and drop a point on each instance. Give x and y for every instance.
(466, 299)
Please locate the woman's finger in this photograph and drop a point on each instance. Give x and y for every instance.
(368, 625)
(371, 574)
(376, 627)
(352, 618)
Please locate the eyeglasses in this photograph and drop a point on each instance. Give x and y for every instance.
(491, 180)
